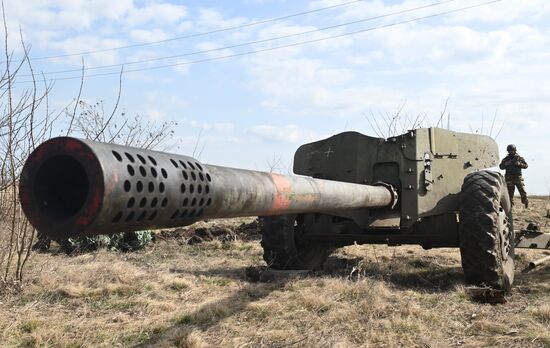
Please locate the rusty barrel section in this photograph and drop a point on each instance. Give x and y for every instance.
(250, 193)
(61, 186)
(71, 187)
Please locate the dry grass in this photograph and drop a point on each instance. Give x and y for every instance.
(174, 294)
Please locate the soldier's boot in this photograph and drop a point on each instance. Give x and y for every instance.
(523, 195)
(525, 201)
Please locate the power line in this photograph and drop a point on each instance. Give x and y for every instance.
(279, 47)
(282, 46)
(187, 54)
(177, 38)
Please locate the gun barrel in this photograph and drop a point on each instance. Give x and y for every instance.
(71, 187)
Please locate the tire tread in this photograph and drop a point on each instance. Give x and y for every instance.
(478, 229)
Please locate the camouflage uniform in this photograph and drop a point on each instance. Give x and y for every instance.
(513, 164)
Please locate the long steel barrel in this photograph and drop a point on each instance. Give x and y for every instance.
(71, 187)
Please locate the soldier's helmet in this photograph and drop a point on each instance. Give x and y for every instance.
(511, 148)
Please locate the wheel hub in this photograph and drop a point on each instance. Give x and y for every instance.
(504, 233)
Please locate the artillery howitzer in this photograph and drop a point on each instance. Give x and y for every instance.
(425, 187)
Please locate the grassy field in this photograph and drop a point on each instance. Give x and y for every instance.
(199, 295)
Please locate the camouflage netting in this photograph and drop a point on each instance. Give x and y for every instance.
(128, 241)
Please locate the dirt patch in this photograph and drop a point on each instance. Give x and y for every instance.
(537, 213)
(207, 232)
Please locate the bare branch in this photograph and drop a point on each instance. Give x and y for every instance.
(500, 130)
(70, 128)
(197, 143)
(442, 113)
(106, 124)
(371, 126)
(493, 123)
(274, 164)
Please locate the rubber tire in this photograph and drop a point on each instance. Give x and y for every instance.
(486, 231)
(281, 250)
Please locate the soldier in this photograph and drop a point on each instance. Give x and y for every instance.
(514, 163)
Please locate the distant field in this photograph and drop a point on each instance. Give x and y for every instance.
(176, 294)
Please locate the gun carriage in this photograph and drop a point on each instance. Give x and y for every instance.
(428, 186)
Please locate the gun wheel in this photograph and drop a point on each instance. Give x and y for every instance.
(486, 231)
(283, 247)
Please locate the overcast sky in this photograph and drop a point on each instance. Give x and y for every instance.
(254, 108)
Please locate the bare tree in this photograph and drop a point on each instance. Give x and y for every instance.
(386, 125)
(25, 120)
(94, 123)
(276, 164)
